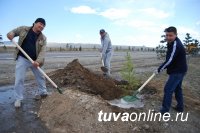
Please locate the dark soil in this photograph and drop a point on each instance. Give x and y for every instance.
(75, 75)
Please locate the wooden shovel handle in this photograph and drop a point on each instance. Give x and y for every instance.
(150, 78)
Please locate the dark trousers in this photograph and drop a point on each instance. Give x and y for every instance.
(173, 84)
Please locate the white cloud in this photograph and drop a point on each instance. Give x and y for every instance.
(198, 22)
(183, 30)
(83, 10)
(140, 23)
(78, 36)
(138, 40)
(114, 13)
(111, 13)
(155, 13)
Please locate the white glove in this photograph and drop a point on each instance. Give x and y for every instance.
(156, 71)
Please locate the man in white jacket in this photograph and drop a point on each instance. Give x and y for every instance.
(106, 50)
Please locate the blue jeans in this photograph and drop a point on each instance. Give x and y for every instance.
(22, 65)
(173, 84)
(107, 59)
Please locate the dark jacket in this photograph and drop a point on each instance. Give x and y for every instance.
(175, 59)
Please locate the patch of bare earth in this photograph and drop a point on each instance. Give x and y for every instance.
(86, 94)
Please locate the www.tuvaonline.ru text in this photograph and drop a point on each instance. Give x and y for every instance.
(141, 116)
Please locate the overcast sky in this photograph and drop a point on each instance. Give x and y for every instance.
(129, 22)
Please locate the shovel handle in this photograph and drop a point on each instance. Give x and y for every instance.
(102, 59)
(23, 52)
(150, 78)
(41, 71)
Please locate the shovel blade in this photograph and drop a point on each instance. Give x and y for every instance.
(130, 98)
(123, 104)
(59, 90)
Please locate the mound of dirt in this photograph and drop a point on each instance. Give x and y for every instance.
(79, 77)
(76, 111)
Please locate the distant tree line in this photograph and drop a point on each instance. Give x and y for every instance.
(133, 48)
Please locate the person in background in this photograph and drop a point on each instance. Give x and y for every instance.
(106, 51)
(33, 42)
(176, 66)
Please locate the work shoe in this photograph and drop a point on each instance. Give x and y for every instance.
(107, 76)
(177, 109)
(40, 96)
(17, 103)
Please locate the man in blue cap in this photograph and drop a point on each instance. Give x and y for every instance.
(33, 42)
(106, 51)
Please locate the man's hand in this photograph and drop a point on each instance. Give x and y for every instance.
(156, 71)
(10, 36)
(36, 64)
(100, 50)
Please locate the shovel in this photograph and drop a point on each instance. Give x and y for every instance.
(41, 71)
(103, 68)
(129, 99)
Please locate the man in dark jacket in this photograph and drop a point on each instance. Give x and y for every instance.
(176, 66)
